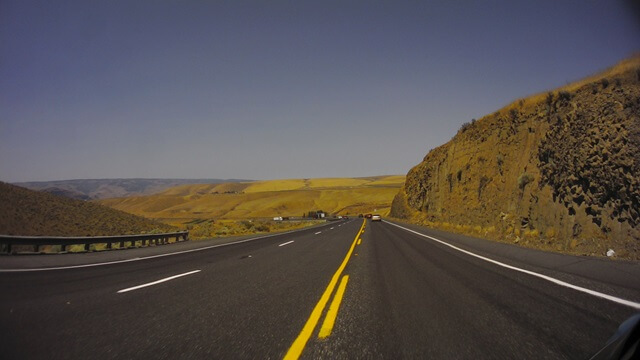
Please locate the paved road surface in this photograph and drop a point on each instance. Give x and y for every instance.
(404, 296)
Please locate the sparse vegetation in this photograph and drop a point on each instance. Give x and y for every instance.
(223, 228)
(564, 95)
(500, 162)
(513, 113)
(481, 185)
(464, 127)
(28, 212)
(524, 179)
(549, 99)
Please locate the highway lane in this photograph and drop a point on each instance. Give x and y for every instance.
(410, 297)
(406, 296)
(248, 300)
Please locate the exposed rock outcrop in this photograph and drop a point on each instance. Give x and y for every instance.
(558, 171)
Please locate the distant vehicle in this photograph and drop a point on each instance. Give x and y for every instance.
(376, 217)
(368, 216)
(277, 218)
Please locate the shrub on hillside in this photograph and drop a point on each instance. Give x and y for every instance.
(524, 179)
(482, 184)
(564, 96)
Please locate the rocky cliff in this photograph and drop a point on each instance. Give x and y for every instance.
(559, 170)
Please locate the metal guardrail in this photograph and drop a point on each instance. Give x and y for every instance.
(8, 241)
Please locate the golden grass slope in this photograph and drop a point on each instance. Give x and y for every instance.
(265, 199)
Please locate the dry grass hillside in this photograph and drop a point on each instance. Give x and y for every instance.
(264, 199)
(559, 170)
(28, 212)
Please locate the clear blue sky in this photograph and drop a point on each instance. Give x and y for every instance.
(276, 89)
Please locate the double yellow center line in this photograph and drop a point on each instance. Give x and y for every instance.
(298, 345)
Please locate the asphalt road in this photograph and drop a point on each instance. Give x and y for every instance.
(394, 294)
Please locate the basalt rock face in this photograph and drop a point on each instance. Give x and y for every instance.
(557, 171)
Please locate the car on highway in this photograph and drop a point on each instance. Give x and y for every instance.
(368, 216)
(376, 217)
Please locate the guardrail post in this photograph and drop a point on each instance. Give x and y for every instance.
(133, 243)
(109, 246)
(121, 244)
(87, 247)
(9, 248)
(144, 242)
(63, 248)
(36, 248)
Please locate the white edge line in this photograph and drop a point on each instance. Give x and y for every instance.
(319, 232)
(615, 299)
(287, 243)
(152, 256)
(157, 282)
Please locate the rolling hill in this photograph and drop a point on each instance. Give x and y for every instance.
(85, 189)
(558, 170)
(28, 212)
(264, 199)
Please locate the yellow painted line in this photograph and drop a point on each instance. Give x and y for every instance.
(329, 321)
(300, 342)
(359, 241)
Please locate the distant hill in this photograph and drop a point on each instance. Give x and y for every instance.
(29, 212)
(264, 199)
(66, 193)
(558, 170)
(109, 188)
